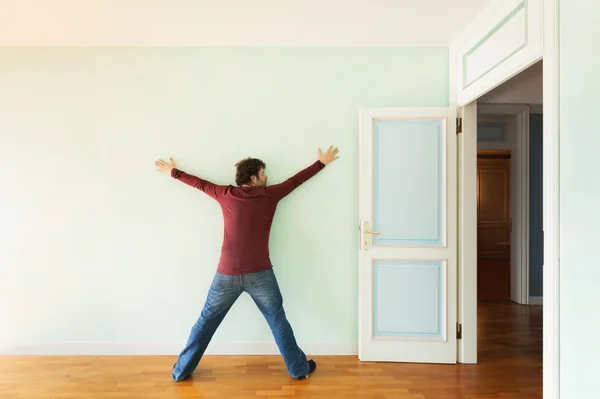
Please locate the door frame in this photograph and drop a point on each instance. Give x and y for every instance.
(519, 253)
(467, 309)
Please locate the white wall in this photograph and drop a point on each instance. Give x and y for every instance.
(579, 199)
(234, 22)
(99, 253)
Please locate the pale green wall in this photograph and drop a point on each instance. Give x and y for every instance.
(579, 199)
(124, 254)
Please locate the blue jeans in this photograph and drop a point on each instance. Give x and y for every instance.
(224, 291)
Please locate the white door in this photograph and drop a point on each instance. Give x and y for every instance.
(408, 235)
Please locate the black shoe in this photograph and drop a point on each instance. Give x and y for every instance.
(311, 367)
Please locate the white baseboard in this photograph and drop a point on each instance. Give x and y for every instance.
(536, 300)
(149, 349)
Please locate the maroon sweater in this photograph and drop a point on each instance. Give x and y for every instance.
(248, 214)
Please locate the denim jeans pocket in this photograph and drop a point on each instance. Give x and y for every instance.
(263, 280)
(222, 282)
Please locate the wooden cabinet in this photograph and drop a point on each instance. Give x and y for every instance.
(493, 225)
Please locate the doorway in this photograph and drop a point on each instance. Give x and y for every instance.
(505, 149)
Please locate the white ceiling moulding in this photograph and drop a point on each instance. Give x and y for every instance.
(501, 42)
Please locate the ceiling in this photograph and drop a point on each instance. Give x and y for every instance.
(235, 22)
(524, 88)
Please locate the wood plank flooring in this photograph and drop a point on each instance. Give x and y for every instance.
(510, 368)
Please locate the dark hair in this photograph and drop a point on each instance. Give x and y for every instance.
(246, 168)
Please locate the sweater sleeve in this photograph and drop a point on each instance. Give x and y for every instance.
(281, 190)
(204, 185)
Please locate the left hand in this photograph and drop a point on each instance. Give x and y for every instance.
(165, 167)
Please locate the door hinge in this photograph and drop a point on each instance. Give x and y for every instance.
(458, 125)
(458, 331)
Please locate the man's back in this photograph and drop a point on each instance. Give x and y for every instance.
(248, 213)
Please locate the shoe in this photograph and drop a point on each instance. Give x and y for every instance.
(311, 367)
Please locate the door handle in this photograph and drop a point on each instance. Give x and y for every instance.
(366, 233)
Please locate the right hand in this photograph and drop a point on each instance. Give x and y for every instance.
(165, 167)
(329, 156)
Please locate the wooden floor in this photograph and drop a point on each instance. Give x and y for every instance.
(510, 367)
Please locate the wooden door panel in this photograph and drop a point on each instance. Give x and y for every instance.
(493, 184)
(493, 277)
(493, 226)
(488, 238)
(493, 207)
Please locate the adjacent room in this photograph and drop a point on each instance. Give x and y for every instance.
(509, 220)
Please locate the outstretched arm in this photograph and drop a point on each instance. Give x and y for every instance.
(281, 190)
(169, 169)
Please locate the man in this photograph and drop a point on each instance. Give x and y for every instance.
(248, 212)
